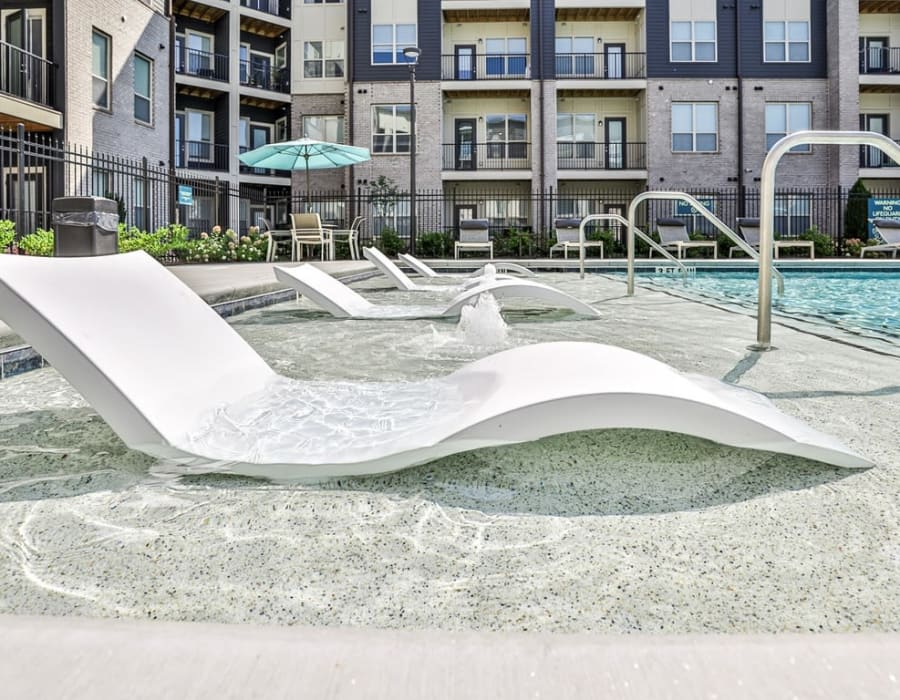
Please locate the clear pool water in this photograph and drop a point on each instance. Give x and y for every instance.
(857, 301)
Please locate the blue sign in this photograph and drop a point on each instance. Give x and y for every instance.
(682, 208)
(882, 208)
(185, 195)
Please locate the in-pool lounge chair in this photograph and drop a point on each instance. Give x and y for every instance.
(402, 281)
(339, 300)
(749, 230)
(887, 230)
(237, 415)
(673, 233)
(430, 273)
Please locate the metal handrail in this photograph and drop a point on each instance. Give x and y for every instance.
(622, 220)
(767, 209)
(706, 214)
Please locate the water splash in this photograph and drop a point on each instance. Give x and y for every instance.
(481, 325)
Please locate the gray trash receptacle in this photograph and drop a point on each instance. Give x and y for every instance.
(84, 226)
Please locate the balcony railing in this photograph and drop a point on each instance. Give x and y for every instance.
(601, 66)
(497, 155)
(879, 59)
(279, 8)
(202, 64)
(26, 75)
(601, 156)
(874, 158)
(265, 77)
(201, 155)
(477, 66)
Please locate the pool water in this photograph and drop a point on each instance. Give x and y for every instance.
(856, 301)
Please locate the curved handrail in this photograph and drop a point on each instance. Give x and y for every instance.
(643, 236)
(767, 209)
(706, 214)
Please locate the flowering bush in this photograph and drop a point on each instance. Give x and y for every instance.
(852, 246)
(227, 246)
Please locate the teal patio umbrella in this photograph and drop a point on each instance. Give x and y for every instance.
(304, 154)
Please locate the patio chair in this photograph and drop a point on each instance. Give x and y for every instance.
(194, 415)
(275, 237)
(351, 234)
(567, 235)
(749, 230)
(430, 273)
(307, 232)
(673, 233)
(474, 235)
(887, 230)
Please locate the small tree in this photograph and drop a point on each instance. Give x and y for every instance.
(383, 192)
(856, 217)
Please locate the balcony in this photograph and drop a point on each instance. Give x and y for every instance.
(497, 155)
(601, 156)
(473, 66)
(26, 75)
(202, 64)
(875, 158)
(601, 66)
(279, 8)
(201, 155)
(878, 60)
(265, 77)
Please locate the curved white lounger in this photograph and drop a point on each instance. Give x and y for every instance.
(400, 279)
(429, 272)
(137, 343)
(339, 300)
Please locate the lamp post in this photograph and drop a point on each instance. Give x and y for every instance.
(412, 58)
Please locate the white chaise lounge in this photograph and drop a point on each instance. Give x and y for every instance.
(402, 281)
(430, 273)
(338, 299)
(887, 230)
(141, 358)
(749, 230)
(673, 233)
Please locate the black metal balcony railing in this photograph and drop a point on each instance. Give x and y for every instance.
(879, 59)
(472, 66)
(601, 156)
(26, 75)
(601, 66)
(202, 64)
(874, 158)
(265, 77)
(201, 155)
(498, 155)
(279, 8)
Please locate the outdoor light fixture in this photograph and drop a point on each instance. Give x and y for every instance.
(412, 57)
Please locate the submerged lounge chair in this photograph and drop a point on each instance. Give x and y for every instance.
(888, 230)
(402, 281)
(236, 415)
(426, 271)
(338, 299)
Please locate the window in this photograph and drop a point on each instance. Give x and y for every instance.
(143, 86)
(783, 119)
(323, 59)
(281, 129)
(196, 128)
(505, 56)
(792, 215)
(575, 136)
(139, 211)
(322, 2)
(100, 183)
(694, 127)
(787, 42)
(100, 70)
(194, 54)
(693, 41)
(574, 56)
(389, 40)
(506, 135)
(390, 131)
(507, 213)
(324, 128)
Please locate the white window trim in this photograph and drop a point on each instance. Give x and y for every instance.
(787, 42)
(149, 96)
(802, 149)
(394, 45)
(693, 42)
(324, 60)
(108, 77)
(187, 137)
(281, 124)
(325, 117)
(693, 131)
(30, 15)
(394, 134)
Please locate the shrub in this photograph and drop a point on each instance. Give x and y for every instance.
(856, 223)
(390, 243)
(611, 247)
(7, 233)
(165, 240)
(822, 243)
(435, 244)
(852, 247)
(38, 243)
(513, 242)
(227, 246)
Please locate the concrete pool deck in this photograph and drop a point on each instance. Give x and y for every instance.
(812, 550)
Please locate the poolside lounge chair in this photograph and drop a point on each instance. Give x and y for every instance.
(888, 230)
(474, 234)
(237, 415)
(338, 299)
(673, 233)
(426, 271)
(749, 230)
(567, 237)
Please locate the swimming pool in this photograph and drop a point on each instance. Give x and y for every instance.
(858, 301)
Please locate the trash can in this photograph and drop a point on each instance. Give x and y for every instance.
(85, 226)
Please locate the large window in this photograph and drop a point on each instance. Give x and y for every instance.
(507, 135)
(575, 135)
(324, 128)
(693, 41)
(390, 129)
(389, 40)
(785, 118)
(787, 42)
(574, 56)
(143, 89)
(323, 59)
(792, 215)
(100, 70)
(505, 57)
(695, 127)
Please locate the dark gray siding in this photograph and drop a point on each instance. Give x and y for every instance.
(658, 63)
(543, 17)
(429, 32)
(752, 65)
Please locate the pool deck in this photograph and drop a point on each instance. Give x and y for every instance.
(82, 657)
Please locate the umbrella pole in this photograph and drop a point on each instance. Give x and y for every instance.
(307, 182)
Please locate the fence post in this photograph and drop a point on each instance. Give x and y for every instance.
(840, 217)
(20, 204)
(216, 203)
